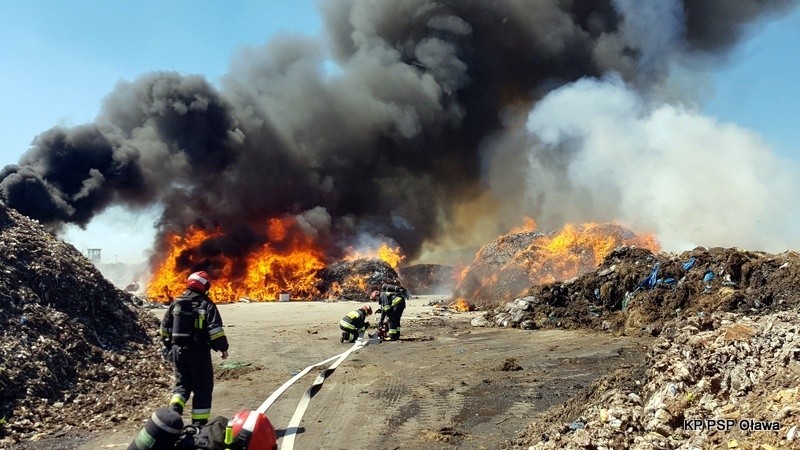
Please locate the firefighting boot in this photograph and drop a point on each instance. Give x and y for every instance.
(176, 407)
(393, 335)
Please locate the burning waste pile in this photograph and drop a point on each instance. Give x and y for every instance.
(507, 267)
(72, 346)
(354, 280)
(723, 372)
(635, 290)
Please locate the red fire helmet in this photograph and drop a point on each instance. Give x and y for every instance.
(250, 430)
(199, 281)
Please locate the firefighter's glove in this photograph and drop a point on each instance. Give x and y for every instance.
(366, 325)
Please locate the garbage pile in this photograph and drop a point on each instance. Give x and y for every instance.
(635, 290)
(507, 267)
(353, 280)
(724, 371)
(428, 279)
(480, 282)
(720, 381)
(72, 347)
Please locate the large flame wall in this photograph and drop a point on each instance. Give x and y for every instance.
(288, 262)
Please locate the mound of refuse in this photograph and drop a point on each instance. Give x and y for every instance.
(507, 267)
(428, 279)
(73, 347)
(354, 280)
(635, 290)
(723, 372)
(720, 381)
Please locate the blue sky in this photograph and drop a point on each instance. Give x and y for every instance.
(59, 60)
(758, 88)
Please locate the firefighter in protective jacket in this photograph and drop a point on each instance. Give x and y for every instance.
(190, 329)
(391, 304)
(354, 323)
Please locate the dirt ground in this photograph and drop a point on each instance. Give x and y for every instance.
(445, 385)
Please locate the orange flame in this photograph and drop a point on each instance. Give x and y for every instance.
(528, 225)
(389, 255)
(459, 272)
(461, 305)
(350, 284)
(522, 258)
(577, 249)
(288, 262)
(167, 280)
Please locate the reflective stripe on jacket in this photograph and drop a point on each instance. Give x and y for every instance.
(354, 320)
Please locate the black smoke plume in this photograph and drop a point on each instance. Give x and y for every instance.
(384, 145)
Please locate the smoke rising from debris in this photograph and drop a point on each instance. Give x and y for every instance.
(416, 137)
(598, 147)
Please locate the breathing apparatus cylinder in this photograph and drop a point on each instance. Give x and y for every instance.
(182, 321)
(391, 288)
(161, 431)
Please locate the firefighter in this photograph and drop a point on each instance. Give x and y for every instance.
(354, 323)
(190, 329)
(391, 303)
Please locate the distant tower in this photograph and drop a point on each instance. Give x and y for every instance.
(93, 254)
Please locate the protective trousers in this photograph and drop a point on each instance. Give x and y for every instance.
(394, 315)
(349, 331)
(194, 375)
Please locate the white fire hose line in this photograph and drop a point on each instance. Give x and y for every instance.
(274, 396)
(291, 430)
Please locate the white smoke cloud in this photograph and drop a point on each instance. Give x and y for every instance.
(599, 152)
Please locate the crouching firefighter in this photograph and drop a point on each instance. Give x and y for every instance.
(354, 323)
(391, 304)
(190, 329)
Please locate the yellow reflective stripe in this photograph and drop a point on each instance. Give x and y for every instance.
(178, 398)
(201, 414)
(216, 333)
(347, 325)
(353, 314)
(396, 301)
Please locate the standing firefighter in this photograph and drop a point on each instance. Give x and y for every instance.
(354, 322)
(190, 329)
(391, 303)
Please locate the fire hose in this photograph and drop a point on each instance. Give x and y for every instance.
(294, 423)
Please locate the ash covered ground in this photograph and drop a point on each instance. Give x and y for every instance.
(79, 354)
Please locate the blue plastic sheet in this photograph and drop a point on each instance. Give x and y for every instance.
(651, 281)
(708, 276)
